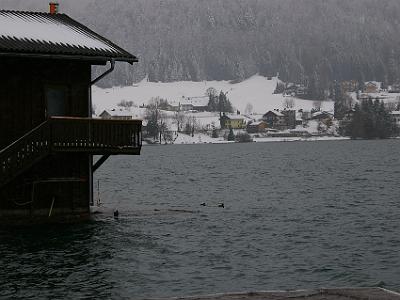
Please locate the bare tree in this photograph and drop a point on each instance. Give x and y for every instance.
(248, 109)
(317, 105)
(191, 125)
(158, 102)
(156, 122)
(125, 104)
(179, 118)
(211, 92)
(288, 103)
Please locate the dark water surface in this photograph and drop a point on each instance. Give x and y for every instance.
(297, 215)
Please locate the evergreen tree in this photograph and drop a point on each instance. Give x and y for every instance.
(231, 135)
(224, 105)
(343, 101)
(212, 99)
(280, 88)
(212, 103)
(370, 120)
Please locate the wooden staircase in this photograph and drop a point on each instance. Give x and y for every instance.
(69, 134)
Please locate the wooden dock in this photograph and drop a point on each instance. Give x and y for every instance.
(319, 294)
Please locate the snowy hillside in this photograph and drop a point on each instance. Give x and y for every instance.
(257, 90)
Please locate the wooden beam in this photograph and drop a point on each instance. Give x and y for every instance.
(100, 162)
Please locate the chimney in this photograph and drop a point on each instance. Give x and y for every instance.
(53, 8)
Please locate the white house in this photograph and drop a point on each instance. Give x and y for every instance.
(116, 114)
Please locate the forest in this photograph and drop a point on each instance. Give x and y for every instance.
(301, 40)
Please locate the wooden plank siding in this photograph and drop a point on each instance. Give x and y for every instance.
(22, 108)
(22, 92)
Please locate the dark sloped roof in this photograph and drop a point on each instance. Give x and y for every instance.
(55, 35)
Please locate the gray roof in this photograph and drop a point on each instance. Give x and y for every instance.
(35, 34)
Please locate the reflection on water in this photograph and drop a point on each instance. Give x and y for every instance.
(297, 215)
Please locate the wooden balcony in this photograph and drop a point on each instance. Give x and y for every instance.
(96, 136)
(68, 134)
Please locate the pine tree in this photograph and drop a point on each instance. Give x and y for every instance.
(340, 107)
(370, 120)
(224, 105)
(231, 135)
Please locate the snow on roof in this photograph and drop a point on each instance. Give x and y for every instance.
(320, 113)
(235, 117)
(374, 83)
(395, 112)
(377, 83)
(277, 113)
(256, 123)
(117, 112)
(43, 33)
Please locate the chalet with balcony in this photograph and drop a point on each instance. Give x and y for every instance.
(47, 137)
(281, 120)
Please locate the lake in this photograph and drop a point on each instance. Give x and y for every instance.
(296, 215)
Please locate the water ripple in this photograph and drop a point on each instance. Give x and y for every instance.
(297, 215)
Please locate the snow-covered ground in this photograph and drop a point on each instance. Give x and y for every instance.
(256, 90)
(382, 96)
(199, 138)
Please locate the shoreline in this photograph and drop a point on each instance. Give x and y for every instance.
(195, 140)
(374, 293)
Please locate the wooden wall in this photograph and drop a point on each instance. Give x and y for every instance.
(23, 107)
(22, 92)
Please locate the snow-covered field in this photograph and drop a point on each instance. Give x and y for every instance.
(257, 90)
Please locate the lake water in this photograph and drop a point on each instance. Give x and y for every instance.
(296, 215)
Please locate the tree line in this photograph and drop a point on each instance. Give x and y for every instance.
(307, 41)
(369, 120)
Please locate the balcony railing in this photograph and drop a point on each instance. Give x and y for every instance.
(96, 136)
(69, 134)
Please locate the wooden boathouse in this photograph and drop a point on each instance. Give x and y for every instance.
(47, 134)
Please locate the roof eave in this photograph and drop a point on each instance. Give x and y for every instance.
(89, 58)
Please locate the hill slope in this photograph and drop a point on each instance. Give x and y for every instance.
(303, 40)
(257, 90)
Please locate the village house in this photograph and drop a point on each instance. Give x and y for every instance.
(274, 119)
(372, 87)
(281, 120)
(257, 127)
(295, 90)
(190, 104)
(349, 86)
(181, 106)
(199, 103)
(232, 121)
(322, 116)
(395, 115)
(394, 88)
(116, 114)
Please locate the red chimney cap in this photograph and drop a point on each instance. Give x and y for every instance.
(53, 8)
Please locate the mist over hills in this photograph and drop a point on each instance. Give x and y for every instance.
(198, 40)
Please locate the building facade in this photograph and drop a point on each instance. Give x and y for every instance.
(47, 137)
